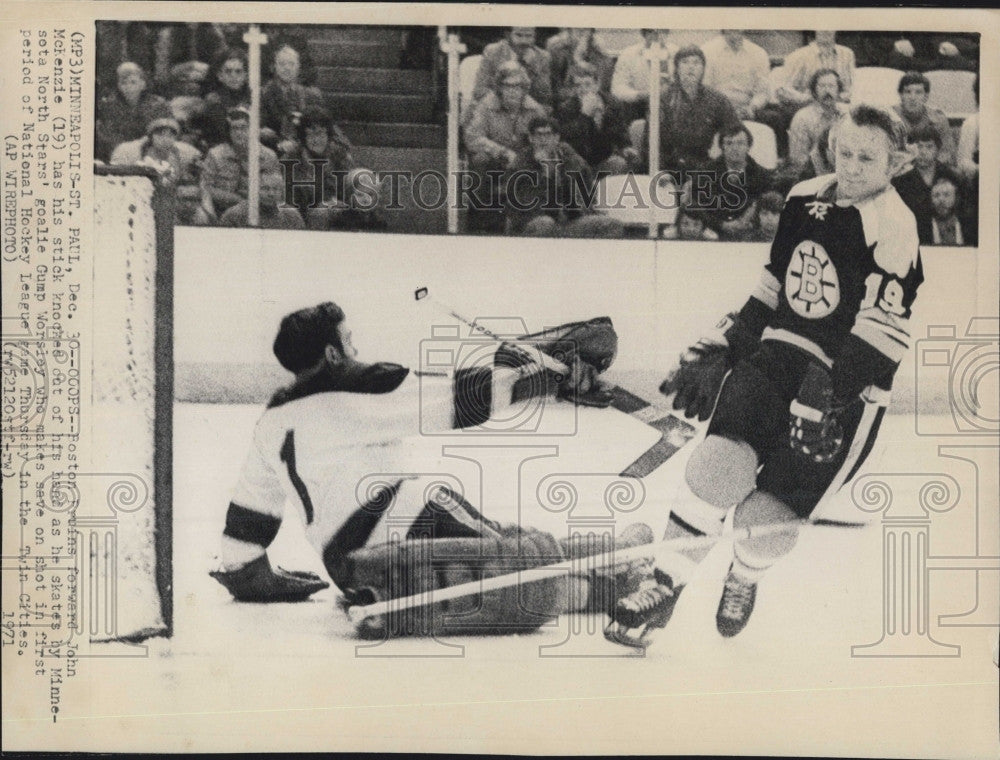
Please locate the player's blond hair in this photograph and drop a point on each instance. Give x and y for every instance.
(884, 119)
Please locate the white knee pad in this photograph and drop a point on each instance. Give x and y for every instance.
(722, 471)
(719, 474)
(760, 508)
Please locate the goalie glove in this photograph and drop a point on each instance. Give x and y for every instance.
(257, 582)
(583, 387)
(814, 429)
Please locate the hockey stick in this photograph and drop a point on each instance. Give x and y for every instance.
(554, 365)
(358, 613)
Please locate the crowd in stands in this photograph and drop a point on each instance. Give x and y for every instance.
(551, 117)
(598, 108)
(190, 120)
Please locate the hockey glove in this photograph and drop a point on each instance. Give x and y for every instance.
(583, 387)
(696, 381)
(257, 582)
(814, 430)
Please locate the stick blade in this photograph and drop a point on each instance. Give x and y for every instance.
(420, 293)
(675, 433)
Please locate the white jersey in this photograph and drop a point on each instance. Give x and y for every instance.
(327, 450)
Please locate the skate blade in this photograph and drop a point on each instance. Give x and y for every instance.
(617, 634)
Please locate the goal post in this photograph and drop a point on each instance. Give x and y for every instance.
(132, 391)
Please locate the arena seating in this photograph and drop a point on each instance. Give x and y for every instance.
(951, 91)
(876, 84)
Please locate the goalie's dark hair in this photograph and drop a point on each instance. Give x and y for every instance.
(304, 335)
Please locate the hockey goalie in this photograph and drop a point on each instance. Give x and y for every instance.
(341, 420)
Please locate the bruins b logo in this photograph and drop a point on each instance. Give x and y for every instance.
(811, 283)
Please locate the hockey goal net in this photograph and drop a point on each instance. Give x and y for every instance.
(126, 536)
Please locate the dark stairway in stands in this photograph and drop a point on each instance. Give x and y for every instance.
(389, 112)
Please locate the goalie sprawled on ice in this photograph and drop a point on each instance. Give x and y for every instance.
(342, 420)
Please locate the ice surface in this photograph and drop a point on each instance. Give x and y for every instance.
(241, 677)
(825, 596)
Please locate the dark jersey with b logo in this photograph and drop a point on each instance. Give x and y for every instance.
(837, 269)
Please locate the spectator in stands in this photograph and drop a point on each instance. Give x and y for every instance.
(691, 114)
(158, 147)
(630, 81)
(737, 182)
(914, 89)
(272, 214)
(176, 161)
(948, 226)
(225, 170)
(794, 90)
(738, 69)
(517, 46)
(177, 44)
(546, 189)
(811, 121)
(768, 213)
(349, 200)
(690, 225)
(594, 125)
(186, 84)
(577, 47)
(229, 89)
(284, 98)
(123, 115)
(914, 186)
(495, 136)
(820, 161)
(968, 141)
(499, 127)
(821, 53)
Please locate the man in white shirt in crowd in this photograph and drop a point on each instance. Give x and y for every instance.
(793, 92)
(630, 81)
(811, 121)
(738, 69)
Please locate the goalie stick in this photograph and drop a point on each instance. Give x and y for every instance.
(674, 432)
(360, 612)
(551, 364)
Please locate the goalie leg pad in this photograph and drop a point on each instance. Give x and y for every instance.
(394, 570)
(762, 508)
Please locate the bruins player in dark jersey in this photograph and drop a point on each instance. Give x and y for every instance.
(804, 368)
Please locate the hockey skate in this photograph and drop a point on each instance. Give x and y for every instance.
(605, 585)
(738, 596)
(635, 617)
